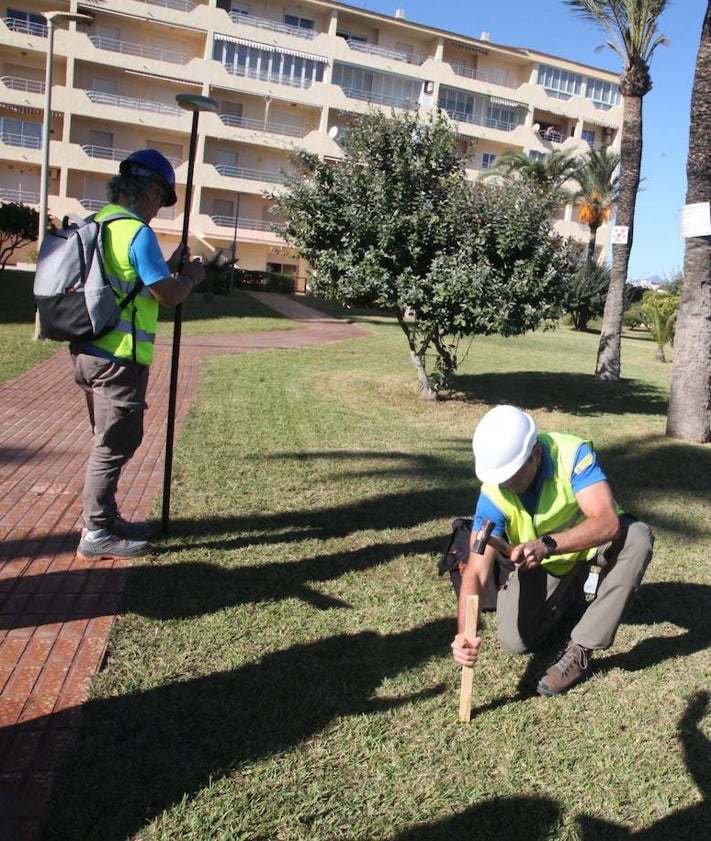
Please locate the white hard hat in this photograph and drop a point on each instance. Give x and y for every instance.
(503, 440)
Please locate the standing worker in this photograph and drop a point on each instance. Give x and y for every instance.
(113, 370)
(547, 495)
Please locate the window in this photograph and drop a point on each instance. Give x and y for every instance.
(589, 137)
(536, 156)
(19, 21)
(349, 36)
(487, 160)
(240, 10)
(298, 22)
(501, 118)
(269, 65)
(559, 83)
(603, 94)
(16, 132)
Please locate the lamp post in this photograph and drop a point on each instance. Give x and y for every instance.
(234, 246)
(50, 17)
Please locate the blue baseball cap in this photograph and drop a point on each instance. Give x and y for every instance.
(150, 163)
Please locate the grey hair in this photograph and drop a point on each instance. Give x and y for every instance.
(129, 189)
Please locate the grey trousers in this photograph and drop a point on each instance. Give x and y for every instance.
(116, 400)
(532, 602)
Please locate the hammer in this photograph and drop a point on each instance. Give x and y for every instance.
(484, 538)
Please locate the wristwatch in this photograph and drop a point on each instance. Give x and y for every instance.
(550, 544)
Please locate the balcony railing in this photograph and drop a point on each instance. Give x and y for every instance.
(26, 27)
(263, 125)
(247, 224)
(486, 122)
(380, 98)
(250, 174)
(395, 55)
(267, 76)
(15, 83)
(100, 98)
(92, 205)
(552, 136)
(108, 153)
(480, 76)
(19, 196)
(272, 25)
(177, 5)
(9, 138)
(127, 48)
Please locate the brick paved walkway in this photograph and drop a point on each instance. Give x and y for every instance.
(56, 612)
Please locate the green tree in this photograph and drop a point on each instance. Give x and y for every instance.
(632, 27)
(659, 311)
(585, 294)
(394, 224)
(597, 178)
(548, 173)
(690, 394)
(19, 225)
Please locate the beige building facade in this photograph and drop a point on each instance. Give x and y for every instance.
(285, 76)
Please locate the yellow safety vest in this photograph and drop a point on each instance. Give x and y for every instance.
(556, 507)
(140, 317)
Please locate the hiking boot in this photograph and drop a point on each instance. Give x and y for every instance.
(573, 667)
(103, 545)
(131, 531)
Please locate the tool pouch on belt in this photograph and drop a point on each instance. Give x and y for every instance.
(455, 558)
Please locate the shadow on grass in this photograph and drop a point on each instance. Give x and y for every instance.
(574, 394)
(142, 753)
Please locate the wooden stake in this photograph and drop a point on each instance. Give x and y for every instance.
(465, 695)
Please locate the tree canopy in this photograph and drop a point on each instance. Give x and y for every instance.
(19, 226)
(395, 224)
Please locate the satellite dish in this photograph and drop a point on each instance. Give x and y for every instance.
(333, 132)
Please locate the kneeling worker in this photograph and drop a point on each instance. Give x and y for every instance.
(547, 495)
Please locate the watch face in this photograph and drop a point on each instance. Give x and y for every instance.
(549, 543)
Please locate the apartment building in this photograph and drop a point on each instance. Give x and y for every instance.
(286, 76)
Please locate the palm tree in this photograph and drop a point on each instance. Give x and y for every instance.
(548, 173)
(595, 202)
(690, 397)
(632, 27)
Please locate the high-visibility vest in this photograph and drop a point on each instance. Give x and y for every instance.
(134, 335)
(556, 508)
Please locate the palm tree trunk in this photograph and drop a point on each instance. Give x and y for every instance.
(608, 355)
(591, 243)
(690, 394)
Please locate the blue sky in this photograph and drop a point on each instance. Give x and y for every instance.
(551, 27)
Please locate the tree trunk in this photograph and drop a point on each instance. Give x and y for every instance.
(591, 243)
(608, 355)
(690, 396)
(416, 356)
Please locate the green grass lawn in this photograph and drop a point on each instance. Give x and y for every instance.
(236, 313)
(281, 669)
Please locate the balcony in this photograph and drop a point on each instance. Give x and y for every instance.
(133, 104)
(250, 174)
(19, 196)
(107, 153)
(263, 125)
(480, 76)
(92, 205)
(26, 27)
(15, 83)
(394, 55)
(486, 122)
(272, 25)
(126, 48)
(8, 138)
(175, 5)
(268, 76)
(552, 136)
(247, 224)
(379, 98)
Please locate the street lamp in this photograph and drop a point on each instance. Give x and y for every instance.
(50, 17)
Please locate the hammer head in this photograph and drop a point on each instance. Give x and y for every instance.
(483, 536)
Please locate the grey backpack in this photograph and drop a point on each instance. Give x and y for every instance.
(73, 294)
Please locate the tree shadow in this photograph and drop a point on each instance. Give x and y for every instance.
(500, 819)
(574, 394)
(690, 822)
(141, 753)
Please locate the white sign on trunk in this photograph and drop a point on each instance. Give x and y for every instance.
(619, 234)
(696, 220)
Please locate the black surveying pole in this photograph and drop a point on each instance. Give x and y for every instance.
(196, 104)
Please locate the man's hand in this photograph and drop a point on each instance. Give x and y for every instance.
(529, 555)
(464, 651)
